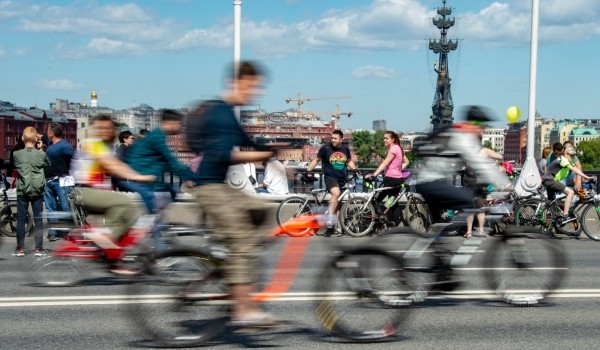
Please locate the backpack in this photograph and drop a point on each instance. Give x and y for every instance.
(195, 125)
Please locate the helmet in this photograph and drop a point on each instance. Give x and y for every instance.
(585, 195)
(508, 167)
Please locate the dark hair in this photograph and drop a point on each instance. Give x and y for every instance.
(557, 146)
(394, 136)
(171, 115)
(124, 135)
(246, 69)
(338, 132)
(568, 142)
(143, 132)
(56, 129)
(103, 118)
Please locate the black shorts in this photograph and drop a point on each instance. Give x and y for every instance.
(331, 182)
(554, 185)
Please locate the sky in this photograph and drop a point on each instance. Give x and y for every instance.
(370, 57)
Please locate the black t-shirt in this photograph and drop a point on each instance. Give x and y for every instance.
(334, 161)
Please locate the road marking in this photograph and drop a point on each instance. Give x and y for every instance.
(276, 297)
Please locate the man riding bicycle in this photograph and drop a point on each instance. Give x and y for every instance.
(446, 153)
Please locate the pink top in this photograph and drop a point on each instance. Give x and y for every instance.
(394, 169)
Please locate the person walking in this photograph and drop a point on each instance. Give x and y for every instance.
(335, 159)
(59, 153)
(31, 183)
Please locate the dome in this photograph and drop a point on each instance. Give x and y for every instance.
(94, 95)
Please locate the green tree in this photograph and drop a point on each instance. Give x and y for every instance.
(589, 154)
(362, 141)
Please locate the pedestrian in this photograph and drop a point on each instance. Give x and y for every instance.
(59, 153)
(335, 158)
(542, 163)
(31, 183)
(214, 131)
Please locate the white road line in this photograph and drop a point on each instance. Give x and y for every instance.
(300, 296)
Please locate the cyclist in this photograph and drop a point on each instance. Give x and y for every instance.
(446, 152)
(392, 166)
(89, 167)
(557, 171)
(214, 131)
(335, 158)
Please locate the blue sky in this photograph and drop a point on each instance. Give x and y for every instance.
(169, 53)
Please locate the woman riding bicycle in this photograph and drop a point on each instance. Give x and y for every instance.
(392, 166)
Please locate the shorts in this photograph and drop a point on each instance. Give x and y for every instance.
(331, 182)
(554, 185)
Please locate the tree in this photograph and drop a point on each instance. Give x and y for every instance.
(589, 154)
(362, 141)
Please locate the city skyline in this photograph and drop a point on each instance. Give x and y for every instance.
(170, 53)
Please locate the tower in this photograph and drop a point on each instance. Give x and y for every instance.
(442, 101)
(94, 99)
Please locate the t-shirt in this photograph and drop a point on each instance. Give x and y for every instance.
(60, 155)
(276, 178)
(557, 170)
(86, 169)
(334, 161)
(394, 169)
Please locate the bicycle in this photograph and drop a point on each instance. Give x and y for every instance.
(360, 216)
(544, 214)
(294, 206)
(521, 268)
(8, 220)
(66, 264)
(182, 299)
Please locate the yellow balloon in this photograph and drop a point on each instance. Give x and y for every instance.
(513, 114)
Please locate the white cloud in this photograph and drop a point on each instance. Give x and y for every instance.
(59, 84)
(376, 72)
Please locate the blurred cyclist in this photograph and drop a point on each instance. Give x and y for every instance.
(214, 131)
(446, 153)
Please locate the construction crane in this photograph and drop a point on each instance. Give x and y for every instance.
(300, 101)
(335, 116)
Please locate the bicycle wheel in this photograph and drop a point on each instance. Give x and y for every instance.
(572, 227)
(590, 221)
(357, 217)
(54, 271)
(535, 214)
(524, 268)
(181, 301)
(290, 208)
(8, 227)
(365, 295)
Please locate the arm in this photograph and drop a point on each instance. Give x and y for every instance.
(351, 165)
(578, 177)
(113, 166)
(172, 163)
(238, 157)
(405, 162)
(578, 172)
(313, 164)
(492, 154)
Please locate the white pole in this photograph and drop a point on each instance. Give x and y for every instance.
(530, 176)
(237, 42)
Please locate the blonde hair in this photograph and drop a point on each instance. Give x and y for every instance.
(30, 135)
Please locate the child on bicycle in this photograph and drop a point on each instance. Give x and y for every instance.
(558, 170)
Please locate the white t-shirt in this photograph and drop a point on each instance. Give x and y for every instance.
(276, 178)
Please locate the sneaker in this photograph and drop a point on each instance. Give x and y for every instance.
(123, 270)
(19, 252)
(257, 320)
(39, 252)
(53, 238)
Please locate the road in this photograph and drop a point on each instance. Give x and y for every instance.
(93, 315)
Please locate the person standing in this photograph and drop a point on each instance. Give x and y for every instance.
(59, 153)
(335, 158)
(30, 164)
(214, 132)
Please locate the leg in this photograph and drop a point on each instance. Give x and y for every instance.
(470, 219)
(37, 206)
(22, 208)
(569, 192)
(116, 207)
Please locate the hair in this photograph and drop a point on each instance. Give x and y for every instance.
(103, 118)
(56, 129)
(546, 151)
(171, 115)
(568, 143)
(143, 132)
(557, 146)
(338, 132)
(123, 135)
(30, 135)
(394, 136)
(246, 69)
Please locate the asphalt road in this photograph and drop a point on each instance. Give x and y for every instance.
(93, 315)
